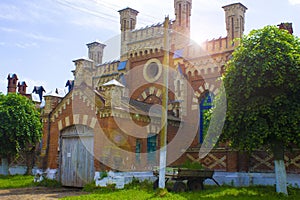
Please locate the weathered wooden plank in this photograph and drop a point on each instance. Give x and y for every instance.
(77, 167)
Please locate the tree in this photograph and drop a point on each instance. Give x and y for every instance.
(20, 127)
(262, 82)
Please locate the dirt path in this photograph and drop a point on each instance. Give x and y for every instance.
(39, 193)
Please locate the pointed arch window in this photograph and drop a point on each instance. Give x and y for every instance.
(206, 104)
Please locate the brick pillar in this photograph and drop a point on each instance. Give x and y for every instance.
(243, 158)
(232, 161)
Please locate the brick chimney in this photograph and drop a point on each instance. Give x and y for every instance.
(22, 88)
(12, 83)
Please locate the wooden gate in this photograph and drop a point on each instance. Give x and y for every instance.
(77, 160)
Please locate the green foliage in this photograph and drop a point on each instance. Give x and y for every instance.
(91, 187)
(262, 82)
(192, 165)
(20, 125)
(48, 183)
(140, 185)
(103, 175)
(16, 181)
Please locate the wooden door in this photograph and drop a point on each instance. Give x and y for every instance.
(77, 160)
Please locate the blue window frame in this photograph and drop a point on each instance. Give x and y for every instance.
(205, 104)
(151, 148)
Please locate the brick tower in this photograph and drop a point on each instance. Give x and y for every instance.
(235, 21)
(12, 83)
(128, 23)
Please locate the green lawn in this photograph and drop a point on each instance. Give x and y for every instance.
(211, 192)
(141, 191)
(17, 181)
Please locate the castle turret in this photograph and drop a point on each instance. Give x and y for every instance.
(96, 52)
(235, 21)
(128, 23)
(113, 91)
(12, 83)
(83, 72)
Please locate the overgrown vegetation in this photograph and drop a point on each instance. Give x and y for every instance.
(192, 165)
(91, 187)
(48, 183)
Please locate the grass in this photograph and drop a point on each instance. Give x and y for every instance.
(21, 181)
(17, 181)
(141, 191)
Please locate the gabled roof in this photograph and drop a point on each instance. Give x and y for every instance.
(83, 58)
(56, 93)
(113, 82)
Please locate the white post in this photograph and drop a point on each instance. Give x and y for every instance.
(280, 174)
(164, 116)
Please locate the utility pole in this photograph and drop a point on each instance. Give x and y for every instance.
(164, 116)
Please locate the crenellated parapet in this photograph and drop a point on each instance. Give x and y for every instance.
(146, 33)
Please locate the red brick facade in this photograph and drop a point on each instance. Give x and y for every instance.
(115, 132)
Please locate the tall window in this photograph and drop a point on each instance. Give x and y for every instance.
(187, 14)
(178, 88)
(131, 24)
(151, 148)
(232, 28)
(138, 148)
(179, 15)
(205, 105)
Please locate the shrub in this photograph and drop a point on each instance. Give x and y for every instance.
(48, 183)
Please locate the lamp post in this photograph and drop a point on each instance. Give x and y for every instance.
(164, 116)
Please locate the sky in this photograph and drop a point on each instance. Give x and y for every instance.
(39, 39)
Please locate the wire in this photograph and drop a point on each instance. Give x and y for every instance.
(70, 4)
(87, 11)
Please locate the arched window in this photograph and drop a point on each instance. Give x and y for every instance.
(179, 15)
(178, 88)
(205, 105)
